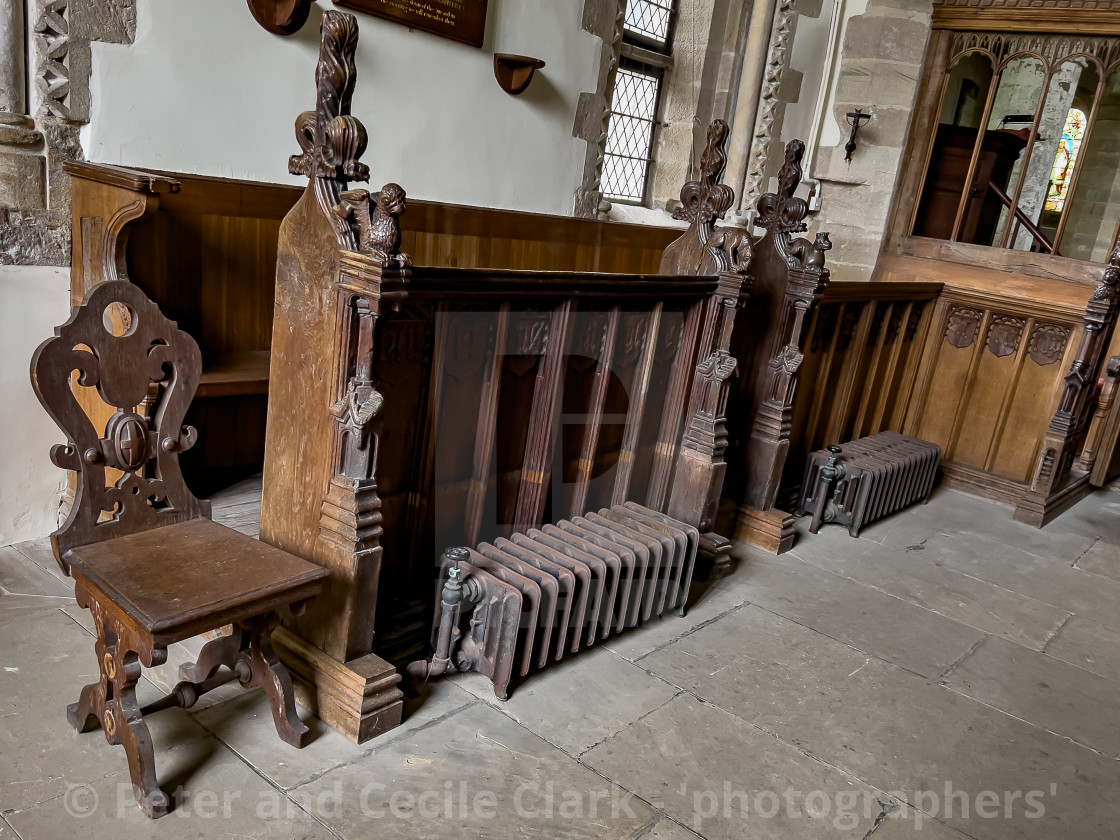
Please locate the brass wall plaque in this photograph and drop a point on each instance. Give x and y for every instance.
(460, 20)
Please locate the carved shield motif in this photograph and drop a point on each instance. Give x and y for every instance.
(962, 328)
(1004, 335)
(1048, 342)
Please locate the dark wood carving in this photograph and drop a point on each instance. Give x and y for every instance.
(705, 248)
(789, 275)
(146, 559)
(336, 248)
(962, 327)
(1056, 480)
(1004, 334)
(1047, 343)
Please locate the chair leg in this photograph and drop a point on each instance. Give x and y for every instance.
(214, 654)
(269, 673)
(111, 704)
(132, 733)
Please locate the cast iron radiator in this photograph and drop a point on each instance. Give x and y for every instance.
(867, 479)
(512, 606)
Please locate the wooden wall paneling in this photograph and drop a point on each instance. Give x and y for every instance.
(820, 370)
(952, 360)
(525, 355)
(848, 386)
(404, 372)
(914, 339)
(894, 346)
(1034, 402)
(536, 465)
(589, 429)
(624, 367)
(991, 380)
(482, 446)
(638, 394)
(871, 376)
(672, 422)
(667, 343)
(1021, 330)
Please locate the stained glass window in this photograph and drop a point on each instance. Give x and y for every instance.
(1065, 160)
(649, 19)
(630, 132)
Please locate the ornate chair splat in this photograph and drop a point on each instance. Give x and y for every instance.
(147, 561)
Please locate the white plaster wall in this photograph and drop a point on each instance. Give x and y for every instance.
(33, 301)
(206, 90)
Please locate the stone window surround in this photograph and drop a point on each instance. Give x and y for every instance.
(44, 75)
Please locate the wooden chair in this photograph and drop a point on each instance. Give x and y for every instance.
(146, 559)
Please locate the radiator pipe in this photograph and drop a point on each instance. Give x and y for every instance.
(828, 475)
(451, 605)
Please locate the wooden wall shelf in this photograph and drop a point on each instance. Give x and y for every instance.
(515, 72)
(280, 17)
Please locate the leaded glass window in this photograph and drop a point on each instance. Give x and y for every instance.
(1066, 160)
(635, 100)
(630, 133)
(649, 19)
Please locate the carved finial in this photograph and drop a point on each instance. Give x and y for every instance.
(377, 224)
(706, 200)
(781, 213)
(1106, 288)
(331, 139)
(821, 244)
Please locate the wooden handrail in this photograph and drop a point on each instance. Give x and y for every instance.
(1023, 219)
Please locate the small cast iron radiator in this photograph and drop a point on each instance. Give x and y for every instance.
(512, 606)
(867, 479)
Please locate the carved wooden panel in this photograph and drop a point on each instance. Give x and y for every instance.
(962, 327)
(1047, 343)
(1004, 334)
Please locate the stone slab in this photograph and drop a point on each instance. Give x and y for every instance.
(865, 618)
(46, 660)
(1049, 693)
(21, 576)
(1056, 583)
(723, 778)
(1088, 645)
(244, 723)
(976, 603)
(1102, 559)
(892, 729)
(716, 600)
(480, 775)
(40, 553)
(950, 512)
(213, 792)
(575, 704)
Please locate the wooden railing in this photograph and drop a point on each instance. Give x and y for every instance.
(862, 356)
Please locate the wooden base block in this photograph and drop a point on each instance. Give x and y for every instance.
(717, 551)
(1039, 511)
(771, 530)
(986, 485)
(359, 698)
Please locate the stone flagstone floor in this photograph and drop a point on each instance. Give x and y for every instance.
(951, 674)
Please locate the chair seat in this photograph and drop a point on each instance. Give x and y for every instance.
(181, 580)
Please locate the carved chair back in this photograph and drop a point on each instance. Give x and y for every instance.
(146, 368)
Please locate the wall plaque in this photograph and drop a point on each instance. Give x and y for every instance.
(460, 20)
